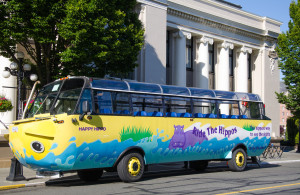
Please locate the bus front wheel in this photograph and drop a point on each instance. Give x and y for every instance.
(131, 167)
(238, 161)
(90, 175)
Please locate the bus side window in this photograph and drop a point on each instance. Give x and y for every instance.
(254, 110)
(86, 96)
(229, 109)
(103, 102)
(178, 107)
(151, 104)
(251, 110)
(203, 107)
(121, 103)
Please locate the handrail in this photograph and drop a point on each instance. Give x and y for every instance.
(29, 99)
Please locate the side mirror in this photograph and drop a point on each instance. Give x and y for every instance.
(85, 106)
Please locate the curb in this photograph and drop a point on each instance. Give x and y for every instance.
(21, 185)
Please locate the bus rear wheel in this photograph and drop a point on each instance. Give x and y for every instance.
(131, 167)
(199, 165)
(90, 175)
(239, 160)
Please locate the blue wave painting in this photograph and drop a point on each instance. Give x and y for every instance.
(102, 155)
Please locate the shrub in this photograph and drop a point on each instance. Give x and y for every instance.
(5, 104)
(292, 128)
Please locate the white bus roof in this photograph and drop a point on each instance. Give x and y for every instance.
(139, 87)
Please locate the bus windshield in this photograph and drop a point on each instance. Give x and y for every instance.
(57, 98)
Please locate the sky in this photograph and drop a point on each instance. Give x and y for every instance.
(275, 9)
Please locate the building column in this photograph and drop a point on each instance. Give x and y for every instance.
(179, 70)
(201, 68)
(222, 72)
(241, 76)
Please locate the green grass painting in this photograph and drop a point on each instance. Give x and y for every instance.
(248, 127)
(135, 133)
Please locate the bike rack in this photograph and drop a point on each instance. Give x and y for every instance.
(273, 151)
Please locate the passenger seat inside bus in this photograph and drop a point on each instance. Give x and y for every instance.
(185, 114)
(140, 113)
(155, 113)
(105, 111)
(198, 115)
(171, 114)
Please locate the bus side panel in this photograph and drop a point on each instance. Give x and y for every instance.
(97, 141)
(102, 139)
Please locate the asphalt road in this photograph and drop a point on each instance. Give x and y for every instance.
(269, 179)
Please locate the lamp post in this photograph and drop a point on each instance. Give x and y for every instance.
(19, 70)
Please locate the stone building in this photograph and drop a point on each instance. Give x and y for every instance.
(211, 44)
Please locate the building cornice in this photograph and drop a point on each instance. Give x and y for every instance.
(154, 3)
(220, 26)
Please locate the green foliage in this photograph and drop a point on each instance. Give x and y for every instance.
(72, 37)
(5, 104)
(292, 128)
(135, 133)
(248, 127)
(289, 53)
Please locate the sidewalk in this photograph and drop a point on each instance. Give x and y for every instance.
(32, 180)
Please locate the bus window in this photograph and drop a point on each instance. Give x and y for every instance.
(229, 109)
(103, 102)
(86, 96)
(178, 107)
(147, 103)
(121, 103)
(45, 99)
(251, 110)
(66, 101)
(254, 109)
(204, 107)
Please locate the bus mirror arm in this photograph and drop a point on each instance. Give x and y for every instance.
(85, 109)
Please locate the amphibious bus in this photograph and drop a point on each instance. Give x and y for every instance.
(91, 125)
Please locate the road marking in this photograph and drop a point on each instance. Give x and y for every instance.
(21, 185)
(12, 187)
(236, 192)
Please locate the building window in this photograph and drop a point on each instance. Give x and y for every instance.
(189, 53)
(231, 70)
(211, 54)
(249, 67)
(249, 74)
(282, 113)
(168, 49)
(211, 58)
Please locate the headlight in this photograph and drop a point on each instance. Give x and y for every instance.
(37, 146)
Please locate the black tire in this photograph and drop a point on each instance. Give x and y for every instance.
(131, 167)
(199, 165)
(90, 175)
(239, 160)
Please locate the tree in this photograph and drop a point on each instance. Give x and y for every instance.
(289, 53)
(72, 37)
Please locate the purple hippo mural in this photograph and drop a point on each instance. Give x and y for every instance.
(183, 139)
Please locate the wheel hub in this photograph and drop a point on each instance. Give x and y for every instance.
(240, 159)
(134, 166)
